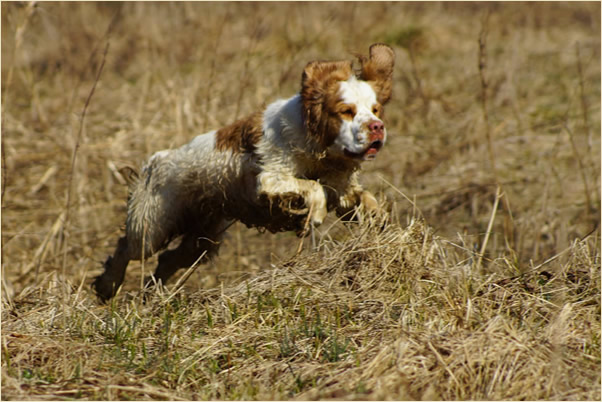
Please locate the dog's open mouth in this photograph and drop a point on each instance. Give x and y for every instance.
(368, 154)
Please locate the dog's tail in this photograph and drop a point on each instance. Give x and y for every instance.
(153, 206)
(130, 174)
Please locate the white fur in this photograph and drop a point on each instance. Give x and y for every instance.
(282, 151)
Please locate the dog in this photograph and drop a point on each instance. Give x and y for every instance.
(281, 169)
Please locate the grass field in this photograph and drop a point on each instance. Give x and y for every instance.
(483, 282)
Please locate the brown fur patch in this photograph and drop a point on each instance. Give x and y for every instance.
(242, 135)
(346, 111)
(319, 88)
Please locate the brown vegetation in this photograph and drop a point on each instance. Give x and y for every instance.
(484, 284)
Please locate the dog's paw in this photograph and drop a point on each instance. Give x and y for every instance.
(104, 287)
(292, 204)
(369, 203)
(357, 206)
(309, 200)
(316, 201)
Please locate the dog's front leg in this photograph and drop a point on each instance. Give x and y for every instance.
(284, 188)
(368, 202)
(362, 199)
(356, 197)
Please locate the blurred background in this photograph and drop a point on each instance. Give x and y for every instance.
(485, 94)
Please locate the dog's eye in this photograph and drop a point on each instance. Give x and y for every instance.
(348, 112)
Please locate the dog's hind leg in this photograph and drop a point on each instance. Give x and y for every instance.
(107, 284)
(171, 260)
(192, 247)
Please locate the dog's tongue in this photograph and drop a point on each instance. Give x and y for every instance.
(372, 151)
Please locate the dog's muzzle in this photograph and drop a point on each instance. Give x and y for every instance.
(376, 136)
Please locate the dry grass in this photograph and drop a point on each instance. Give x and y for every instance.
(451, 298)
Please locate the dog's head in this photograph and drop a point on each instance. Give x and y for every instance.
(343, 112)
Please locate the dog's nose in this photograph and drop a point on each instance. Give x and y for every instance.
(377, 130)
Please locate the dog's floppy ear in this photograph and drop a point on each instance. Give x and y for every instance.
(320, 72)
(319, 78)
(378, 70)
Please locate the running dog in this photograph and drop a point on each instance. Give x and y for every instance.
(282, 169)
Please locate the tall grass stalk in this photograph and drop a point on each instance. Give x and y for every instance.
(586, 125)
(19, 33)
(484, 95)
(498, 195)
(582, 169)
